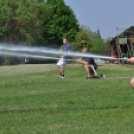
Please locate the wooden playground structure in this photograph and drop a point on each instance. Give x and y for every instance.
(122, 45)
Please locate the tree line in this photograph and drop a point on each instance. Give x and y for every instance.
(43, 23)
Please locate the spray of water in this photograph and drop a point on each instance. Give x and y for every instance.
(40, 52)
(27, 55)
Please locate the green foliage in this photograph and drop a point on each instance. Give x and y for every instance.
(62, 23)
(21, 21)
(6, 60)
(100, 46)
(2, 32)
(83, 39)
(36, 22)
(89, 39)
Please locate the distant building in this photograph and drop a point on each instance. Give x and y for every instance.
(122, 45)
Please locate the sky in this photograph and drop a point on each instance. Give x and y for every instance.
(106, 15)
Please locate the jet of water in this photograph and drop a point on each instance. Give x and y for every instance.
(43, 51)
(27, 55)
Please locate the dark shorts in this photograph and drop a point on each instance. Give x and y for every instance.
(95, 67)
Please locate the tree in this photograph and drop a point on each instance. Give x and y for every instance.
(62, 23)
(21, 21)
(83, 39)
(98, 32)
(91, 40)
(100, 46)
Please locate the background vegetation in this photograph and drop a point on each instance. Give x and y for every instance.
(86, 38)
(44, 23)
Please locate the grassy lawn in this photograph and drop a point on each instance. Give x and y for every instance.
(34, 101)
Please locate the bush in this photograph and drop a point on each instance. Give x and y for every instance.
(89, 39)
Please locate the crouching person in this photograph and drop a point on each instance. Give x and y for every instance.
(90, 66)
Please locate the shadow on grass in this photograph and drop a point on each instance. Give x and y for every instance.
(30, 110)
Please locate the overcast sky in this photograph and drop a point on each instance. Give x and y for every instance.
(104, 14)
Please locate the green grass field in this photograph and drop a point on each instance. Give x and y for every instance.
(34, 101)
